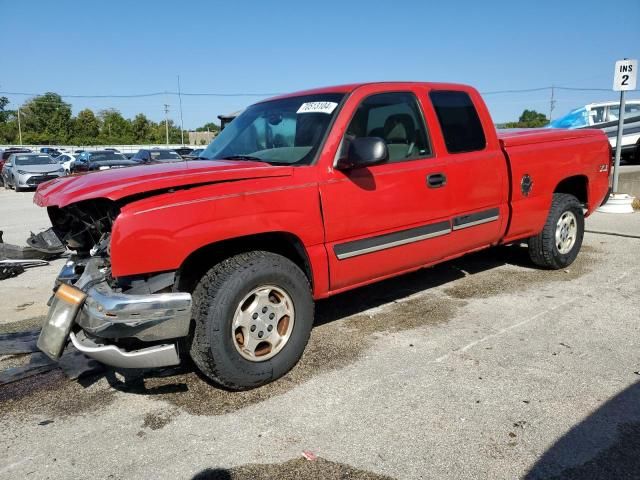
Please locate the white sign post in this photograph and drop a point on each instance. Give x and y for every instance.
(624, 78)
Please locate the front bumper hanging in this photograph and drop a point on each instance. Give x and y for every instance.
(106, 316)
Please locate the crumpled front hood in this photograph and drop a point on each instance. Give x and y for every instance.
(119, 183)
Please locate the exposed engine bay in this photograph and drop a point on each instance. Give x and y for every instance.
(85, 226)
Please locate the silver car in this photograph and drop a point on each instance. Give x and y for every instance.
(28, 170)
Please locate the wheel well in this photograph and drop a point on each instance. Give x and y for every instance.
(201, 260)
(576, 186)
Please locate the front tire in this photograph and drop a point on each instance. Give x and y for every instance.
(253, 315)
(558, 245)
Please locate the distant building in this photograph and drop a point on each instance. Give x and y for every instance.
(201, 138)
(228, 118)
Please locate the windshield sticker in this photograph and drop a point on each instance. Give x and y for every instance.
(317, 107)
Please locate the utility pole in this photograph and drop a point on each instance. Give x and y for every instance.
(552, 102)
(181, 121)
(166, 121)
(19, 128)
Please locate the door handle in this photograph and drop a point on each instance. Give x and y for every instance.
(436, 180)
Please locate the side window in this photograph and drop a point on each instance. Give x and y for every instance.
(459, 121)
(597, 115)
(394, 117)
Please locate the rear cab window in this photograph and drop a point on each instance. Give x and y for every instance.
(459, 121)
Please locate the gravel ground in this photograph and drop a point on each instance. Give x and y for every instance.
(479, 368)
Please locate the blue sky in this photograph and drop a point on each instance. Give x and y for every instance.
(118, 47)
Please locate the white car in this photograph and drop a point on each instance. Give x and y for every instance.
(66, 160)
(605, 115)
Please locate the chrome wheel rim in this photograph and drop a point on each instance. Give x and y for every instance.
(262, 323)
(566, 232)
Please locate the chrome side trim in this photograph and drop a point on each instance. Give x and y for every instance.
(477, 222)
(397, 243)
(151, 357)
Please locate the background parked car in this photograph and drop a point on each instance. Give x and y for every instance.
(605, 115)
(183, 151)
(10, 151)
(194, 154)
(156, 155)
(101, 160)
(28, 170)
(54, 152)
(66, 160)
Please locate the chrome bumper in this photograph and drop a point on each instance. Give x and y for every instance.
(156, 356)
(108, 316)
(112, 315)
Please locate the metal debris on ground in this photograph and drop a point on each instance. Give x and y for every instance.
(20, 342)
(13, 268)
(15, 259)
(73, 363)
(39, 363)
(47, 243)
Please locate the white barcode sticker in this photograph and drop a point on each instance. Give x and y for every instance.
(317, 107)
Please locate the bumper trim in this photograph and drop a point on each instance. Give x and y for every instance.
(110, 314)
(150, 357)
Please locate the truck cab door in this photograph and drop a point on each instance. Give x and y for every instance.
(391, 217)
(477, 169)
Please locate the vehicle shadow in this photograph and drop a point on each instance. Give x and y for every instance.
(605, 445)
(380, 293)
(337, 308)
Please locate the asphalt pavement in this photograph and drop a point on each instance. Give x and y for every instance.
(483, 367)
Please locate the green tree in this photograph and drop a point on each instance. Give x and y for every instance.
(115, 128)
(141, 128)
(528, 119)
(4, 113)
(46, 119)
(86, 128)
(532, 119)
(208, 127)
(8, 124)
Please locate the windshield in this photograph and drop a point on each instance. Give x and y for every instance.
(164, 155)
(106, 157)
(287, 131)
(576, 118)
(34, 160)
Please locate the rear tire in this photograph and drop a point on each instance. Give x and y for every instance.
(558, 245)
(220, 298)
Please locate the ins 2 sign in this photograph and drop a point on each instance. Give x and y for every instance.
(626, 75)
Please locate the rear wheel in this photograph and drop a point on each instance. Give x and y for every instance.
(253, 314)
(558, 244)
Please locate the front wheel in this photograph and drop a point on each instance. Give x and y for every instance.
(253, 314)
(558, 244)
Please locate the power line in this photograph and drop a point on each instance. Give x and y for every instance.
(152, 94)
(268, 94)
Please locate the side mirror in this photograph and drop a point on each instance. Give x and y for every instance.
(364, 152)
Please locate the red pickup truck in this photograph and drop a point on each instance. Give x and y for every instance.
(301, 197)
